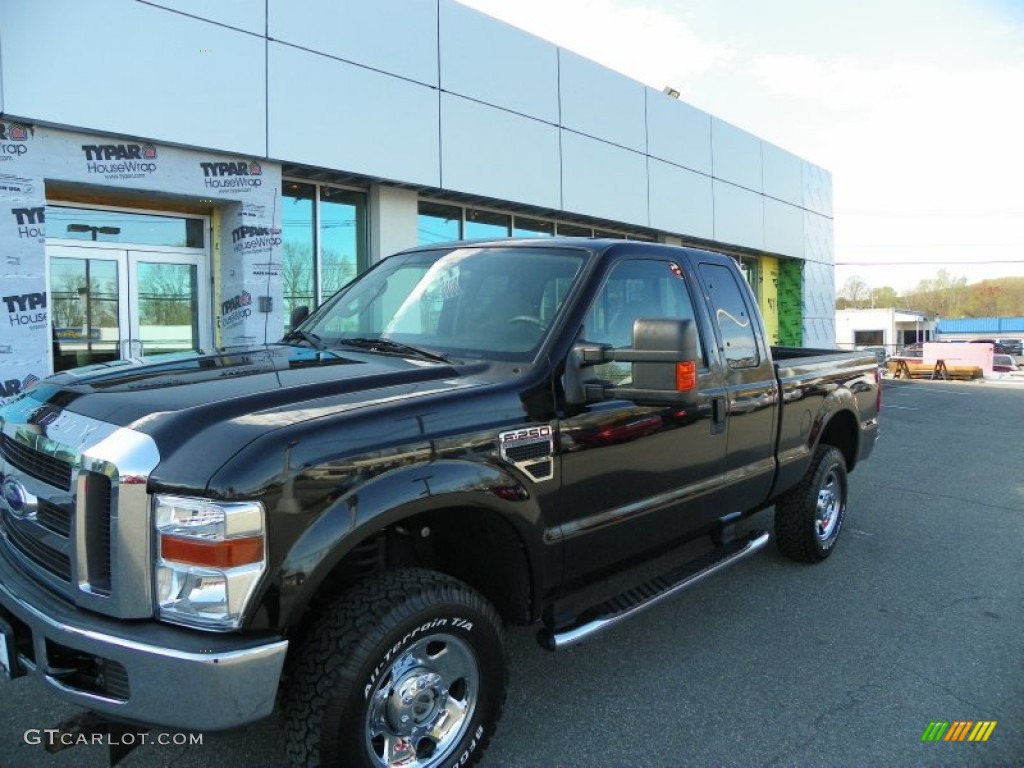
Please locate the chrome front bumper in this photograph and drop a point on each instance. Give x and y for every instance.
(139, 671)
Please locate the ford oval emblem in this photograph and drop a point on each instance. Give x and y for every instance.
(19, 501)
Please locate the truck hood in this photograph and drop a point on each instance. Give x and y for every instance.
(150, 393)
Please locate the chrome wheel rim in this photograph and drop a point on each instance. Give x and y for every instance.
(423, 703)
(829, 505)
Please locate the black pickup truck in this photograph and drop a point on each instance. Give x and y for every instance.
(339, 525)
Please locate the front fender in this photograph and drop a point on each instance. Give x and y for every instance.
(386, 499)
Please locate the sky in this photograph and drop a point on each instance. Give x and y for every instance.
(915, 106)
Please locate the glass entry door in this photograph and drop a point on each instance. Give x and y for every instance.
(113, 303)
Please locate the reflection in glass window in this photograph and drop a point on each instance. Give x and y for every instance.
(748, 266)
(481, 224)
(574, 230)
(124, 227)
(84, 311)
(323, 240)
(732, 316)
(479, 302)
(298, 248)
(439, 223)
(525, 227)
(342, 237)
(168, 307)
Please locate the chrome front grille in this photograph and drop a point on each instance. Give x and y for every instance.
(56, 517)
(75, 512)
(53, 561)
(51, 469)
(96, 489)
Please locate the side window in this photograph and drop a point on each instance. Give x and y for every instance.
(634, 289)
(731, 314)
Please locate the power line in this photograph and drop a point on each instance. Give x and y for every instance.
(925, 263)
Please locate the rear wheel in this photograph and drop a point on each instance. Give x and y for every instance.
(808, 518)
(407, 669)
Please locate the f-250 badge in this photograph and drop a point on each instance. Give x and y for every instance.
(531, 450)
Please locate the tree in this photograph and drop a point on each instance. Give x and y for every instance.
(853, 293)
(943, 295)
(883, 297)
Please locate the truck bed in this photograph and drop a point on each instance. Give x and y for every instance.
(808, 378)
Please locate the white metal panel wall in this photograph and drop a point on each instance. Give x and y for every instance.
(492, 152)
(135, 69)
(739, 215)
(602, 180)
(783, 228)
(819, 242)
(782, 174)
(819, 290)
(817, 184)
(680, 200)
(496, 63)
(248, 15)
(736, 155)
(394, 36)
(600, 102)
(382, 126)
(819, 305)
(677, 132)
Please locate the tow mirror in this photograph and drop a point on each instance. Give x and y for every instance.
(664, 357)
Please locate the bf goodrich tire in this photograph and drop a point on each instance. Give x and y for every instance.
(408, 668)
(809, 517)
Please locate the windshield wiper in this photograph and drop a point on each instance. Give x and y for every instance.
(388, 346)
(310, 338)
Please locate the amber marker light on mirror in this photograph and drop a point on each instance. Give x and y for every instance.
(686, 376)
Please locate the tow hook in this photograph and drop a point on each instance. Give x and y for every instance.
(93, 728)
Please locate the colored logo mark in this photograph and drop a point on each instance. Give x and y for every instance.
(959, 730)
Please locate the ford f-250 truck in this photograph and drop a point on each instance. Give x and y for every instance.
(338, 526)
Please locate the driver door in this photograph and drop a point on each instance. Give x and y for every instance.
(635, 476)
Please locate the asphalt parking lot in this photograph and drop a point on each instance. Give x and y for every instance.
(918, 616)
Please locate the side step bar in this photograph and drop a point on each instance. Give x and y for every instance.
(605, 615)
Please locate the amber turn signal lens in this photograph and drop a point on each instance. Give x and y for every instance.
(686, 376)
(213, 554)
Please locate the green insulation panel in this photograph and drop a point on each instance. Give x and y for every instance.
(791, 303)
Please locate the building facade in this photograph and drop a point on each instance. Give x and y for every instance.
(883, 327)
(954, 329)
(180, 174)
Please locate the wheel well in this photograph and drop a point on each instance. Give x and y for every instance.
(841, 431)
(474, 545)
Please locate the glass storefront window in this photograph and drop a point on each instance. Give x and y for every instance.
(439, 223)
(483, 224)
(574, 230)
(84, 311)
(748, 267)
(525, 227)
(298, 247)
(168, 307)
(342, 237)
(101, 226)
(323, 233)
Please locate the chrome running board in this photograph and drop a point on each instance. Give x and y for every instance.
(633, 601)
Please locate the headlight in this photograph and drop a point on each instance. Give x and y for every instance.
(210, 555)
